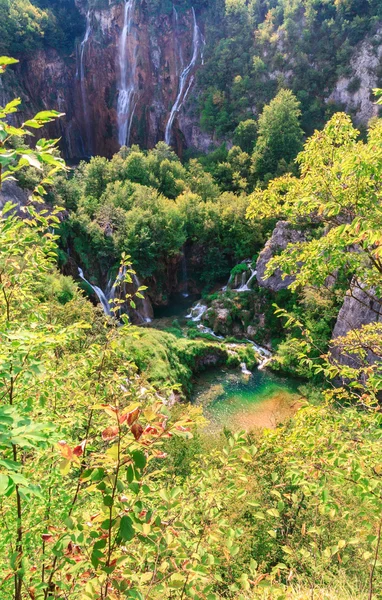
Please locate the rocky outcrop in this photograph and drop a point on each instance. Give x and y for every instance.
(11, 192)
(360, 308)
(282, 235)
(355, 92)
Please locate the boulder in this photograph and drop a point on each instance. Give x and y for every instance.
(282, 235)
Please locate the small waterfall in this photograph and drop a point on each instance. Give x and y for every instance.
(204, 329)
(107, 298)
(196, 313)
(82, 77)
(245, 370)
(145, 311)
(127, 69)
(244, 287)
(242, 284)
(99, 293)
(264, 353)
(185, 81)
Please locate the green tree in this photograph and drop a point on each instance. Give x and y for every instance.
(279, 135)
(245, 135)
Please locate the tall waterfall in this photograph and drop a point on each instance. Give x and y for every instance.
(127, 69)
(82, 77)
(186, 80)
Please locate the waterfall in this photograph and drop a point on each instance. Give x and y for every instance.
(245, 281)
(244, 369)
(145, 312)
(185, 81)
(99, 293)
(264, 353)
(106, 298)
(244, 287)
(196, 313)
(81, 75)
(127, 69)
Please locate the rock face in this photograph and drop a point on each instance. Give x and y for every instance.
(360, 308)
(355, 92)
(11, 192)
(282, 235)
(150, 53)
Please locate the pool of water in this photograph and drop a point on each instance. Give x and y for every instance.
(241, 402)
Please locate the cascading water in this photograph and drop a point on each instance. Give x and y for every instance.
(196, 313)
(107, 298)
(82, 77)
(99, 293)
(244, 287)
(144, 311)
(264, 353)
(127, 70)
(186, 79)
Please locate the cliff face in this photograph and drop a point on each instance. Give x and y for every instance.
(129, 77)
(355, 92)
(282, 235)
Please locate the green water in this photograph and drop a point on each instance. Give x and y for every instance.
(231, 399)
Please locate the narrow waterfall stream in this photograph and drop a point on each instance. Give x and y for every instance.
(99, 293)
(82, 78)
(127, 69)
(186, 79)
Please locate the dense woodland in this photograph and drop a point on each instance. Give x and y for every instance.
(112, 486)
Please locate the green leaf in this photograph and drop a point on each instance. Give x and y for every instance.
(139, 459)
(7, 60)
(126, 528)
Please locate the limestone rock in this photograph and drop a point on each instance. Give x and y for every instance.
(364, 66)
(11, 192)
(282, 235)
(360, 308)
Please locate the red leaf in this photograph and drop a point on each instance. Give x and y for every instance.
(137, 430)
(47, 537)
(150, 429)
(110, 432)
(132, 416)
(79, 450)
